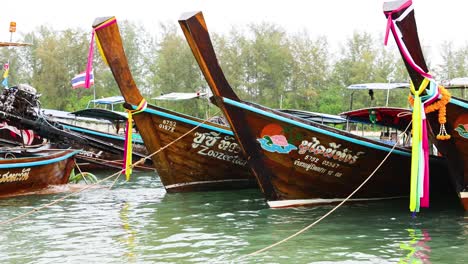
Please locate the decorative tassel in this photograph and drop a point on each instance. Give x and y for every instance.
(441, 106)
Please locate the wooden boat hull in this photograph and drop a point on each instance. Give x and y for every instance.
(317, 164)
(99, 149)
(34, 171)
(205, 159)
(106, 150)
(455, 149)
(298, 162)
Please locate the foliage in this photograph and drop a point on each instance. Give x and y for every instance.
(262, 62)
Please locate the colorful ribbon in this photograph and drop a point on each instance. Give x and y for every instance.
(398, 37)
(89, 64)
(128, 138)
(416, 150)
(419, 189)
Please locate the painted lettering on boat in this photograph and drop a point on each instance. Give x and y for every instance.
(15, 177)
(334, 151)
(225, 148)
(168, 125)
(330, 164)
(273, 139)
(309, 166)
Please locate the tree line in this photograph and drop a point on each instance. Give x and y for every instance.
(262, 62)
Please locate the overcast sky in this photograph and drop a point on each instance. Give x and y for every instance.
(336, 19)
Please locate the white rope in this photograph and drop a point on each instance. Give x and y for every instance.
(117, 174)
(332, 210)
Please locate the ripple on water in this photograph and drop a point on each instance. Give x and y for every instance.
(138, 222)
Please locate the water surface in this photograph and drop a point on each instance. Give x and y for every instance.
(138, 222)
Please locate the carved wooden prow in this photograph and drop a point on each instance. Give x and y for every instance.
(107, 31)
(195, 31)
(198, 38)
(402, 12)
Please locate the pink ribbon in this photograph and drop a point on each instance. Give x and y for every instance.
(89, 64)
(401, 45)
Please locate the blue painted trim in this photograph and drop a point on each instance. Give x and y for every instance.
(309, 127)
(458, 102)
(37, 163)
(122, 138)
(187, 121)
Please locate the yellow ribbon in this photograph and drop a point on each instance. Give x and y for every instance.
(128, 137)
(98, 44)
(417, 141)
(5, 74)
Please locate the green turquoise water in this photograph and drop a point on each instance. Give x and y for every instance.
(138, 222)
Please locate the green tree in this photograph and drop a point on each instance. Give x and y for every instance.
(175, 70)
(310, 72)
(269, 65)
(233, 55)
(55, 57)
(454, 65)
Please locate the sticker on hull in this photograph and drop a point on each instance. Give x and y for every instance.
(273, 140)
(462, 130)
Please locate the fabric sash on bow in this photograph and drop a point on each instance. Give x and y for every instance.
(419, 186)
(89, 64)
(127, 165)
(419, 189)
(398, 37)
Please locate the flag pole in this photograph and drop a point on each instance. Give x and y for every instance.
(12, 30)
(6, 67)
(94, 90)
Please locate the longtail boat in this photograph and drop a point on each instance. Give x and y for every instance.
(23, 121)
(24, 169)
(103, 131)
(21, 115)
(299, 162)
(447, 116)
(189, 154)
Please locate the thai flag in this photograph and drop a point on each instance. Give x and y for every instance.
(79, 80)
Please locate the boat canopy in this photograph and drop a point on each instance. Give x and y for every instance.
(107, 101)
(394, 117)
(103, 108)
(377, 86)
(99, 113)
(456, 83)
(315, 117)
(180, 96)
(13, 44)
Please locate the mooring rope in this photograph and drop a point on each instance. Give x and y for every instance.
(174, 141)
(81, 172)
(37, 209)
(333, 209)
(116, 162)
(117, 174)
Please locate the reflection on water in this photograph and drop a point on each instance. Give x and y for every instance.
(130, 237)
(138, 222)
(417, 247)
